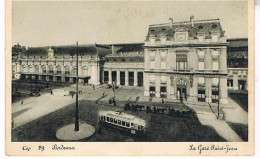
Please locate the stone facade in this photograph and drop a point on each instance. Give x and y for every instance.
(59, 68)
(186, 61)
(125, 65)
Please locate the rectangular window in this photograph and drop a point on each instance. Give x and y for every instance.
(119, 122)
(115, 121)
(163, 79)
(201, 95)
(201, 54)
(127, 124)
(215, 54)
(152, 79)
(152, 91)
(123, 123)
(163, 65)
(107, 119)
(230, 83)
(163, 92)
(163, 53)
(201, 81)
(215, 81)
(201, 65)
(181, 61)
(215, 65)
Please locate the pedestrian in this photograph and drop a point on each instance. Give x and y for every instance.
(162, 101)
(72, 95)
(51, 92)
(22, 102)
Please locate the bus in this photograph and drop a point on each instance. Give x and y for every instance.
(122, 121)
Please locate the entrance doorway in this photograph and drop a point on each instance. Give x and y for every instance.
(140, 78)
(131, 78)
(182, 89)
(122, 78)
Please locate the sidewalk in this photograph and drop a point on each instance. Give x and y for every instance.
(235, 114)
(39, 107)
(206, 117)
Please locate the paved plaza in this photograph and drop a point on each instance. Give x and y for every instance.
(34, 108)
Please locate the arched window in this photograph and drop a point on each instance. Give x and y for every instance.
(58, 69)
(67, 70)
(43, 69)
(51, 69)
(36, 67)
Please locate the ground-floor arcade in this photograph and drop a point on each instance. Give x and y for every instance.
(54, 78)
(127, 77)
(193, 88)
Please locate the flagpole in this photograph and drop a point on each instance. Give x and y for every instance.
(77, 95)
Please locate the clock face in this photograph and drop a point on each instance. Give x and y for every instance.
(181, 37)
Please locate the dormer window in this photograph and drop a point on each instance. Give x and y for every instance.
(152, 39)
(163, 38)
(215, 36)
(201, 37)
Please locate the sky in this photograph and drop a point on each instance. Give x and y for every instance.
(65, 22)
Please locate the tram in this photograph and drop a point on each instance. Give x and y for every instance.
(122, 121)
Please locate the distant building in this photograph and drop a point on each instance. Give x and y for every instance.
(125, 65)
(237, 62)
(186, 61)
(58, 63)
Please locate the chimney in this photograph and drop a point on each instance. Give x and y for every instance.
(192, 21)
(170, 22)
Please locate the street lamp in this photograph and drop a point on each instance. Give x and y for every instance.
(77, 96)
(218, 100)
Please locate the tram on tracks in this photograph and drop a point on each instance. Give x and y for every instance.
(122, 121)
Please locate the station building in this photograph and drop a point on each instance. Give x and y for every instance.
(58, 63)
(125, 65)
(237, 63)
(191, 60)
(186, 60)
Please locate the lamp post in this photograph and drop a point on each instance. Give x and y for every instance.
(218, 101)
(77, 96)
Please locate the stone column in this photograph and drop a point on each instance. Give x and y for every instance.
(208, 91)
(168, 84)
(146, 84)
(62, 74)
(135, 77)
(109, 76)
(195, 88)
(208, 60)
(126, 78)
(223, 90)
(118, 77)
(223, 60)
(235, 81)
